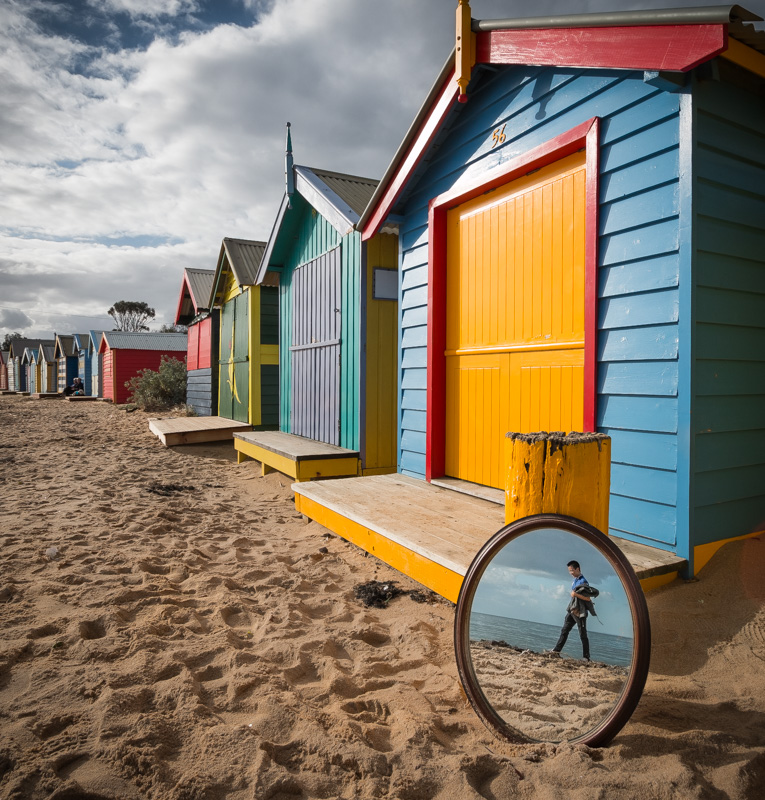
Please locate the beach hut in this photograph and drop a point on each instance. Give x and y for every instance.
(125, 354)
(16, 376)
(46, 357)
(29, 367)
(3, 370)
(203, 345)
(66, 361)
(582, 246)
(248, 336)
(81, 349)
(96, 363)
(338, 330)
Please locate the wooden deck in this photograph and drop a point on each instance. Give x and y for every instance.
(432, 533)
(300, 458)
(45, 395)
(80, 398)
(195, 430)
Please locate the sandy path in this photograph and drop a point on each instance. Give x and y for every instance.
(197, 644)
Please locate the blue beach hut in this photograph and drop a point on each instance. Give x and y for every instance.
(581, 221)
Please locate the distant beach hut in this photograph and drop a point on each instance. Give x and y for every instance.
(29, 366)
(66, 361)
(203, 345)
(81, 345)
(338, 329)
(248, 336)
(3, 370)
(96, 361)
(48, 368)
(125, 354)
(16, 376)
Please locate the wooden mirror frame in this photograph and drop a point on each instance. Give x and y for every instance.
(605, 731)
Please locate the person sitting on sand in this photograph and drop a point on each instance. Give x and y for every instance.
(576, 613)
(77, 388)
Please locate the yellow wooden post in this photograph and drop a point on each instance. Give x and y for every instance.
(558, 473)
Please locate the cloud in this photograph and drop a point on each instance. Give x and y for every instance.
(12, 318)
(181, 142)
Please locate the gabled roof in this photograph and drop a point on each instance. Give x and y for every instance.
(676, 39)
(196, 288)
(95, 340)
(29, 355)
(4, 356)
(64, 346)
(47, 352)
(339, 198)
(124, 340)
(243, 258)
(81, 341)
(19, 345)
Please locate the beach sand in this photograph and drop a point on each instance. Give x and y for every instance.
(191, 637)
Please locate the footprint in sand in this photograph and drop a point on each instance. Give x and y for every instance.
(91, 629)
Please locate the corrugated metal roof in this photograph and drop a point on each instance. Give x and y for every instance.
(200, 285)
(244, 256)
(352, 189)
(4, 356)
(48, 351)
(65, 343)
(124, 340)
(19, 345)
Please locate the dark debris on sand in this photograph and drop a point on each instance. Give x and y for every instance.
(377, 594)
(168, 489)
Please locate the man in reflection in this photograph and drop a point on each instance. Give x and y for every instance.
(576, 613)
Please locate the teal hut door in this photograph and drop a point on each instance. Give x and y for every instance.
(233, 367)
(315, 349)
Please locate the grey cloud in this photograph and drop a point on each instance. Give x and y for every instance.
(13, 319)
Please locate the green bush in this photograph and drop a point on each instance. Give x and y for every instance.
(156, 391)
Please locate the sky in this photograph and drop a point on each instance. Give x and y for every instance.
(136, 134)
(528, 579)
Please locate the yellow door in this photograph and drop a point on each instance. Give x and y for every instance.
(515, 316)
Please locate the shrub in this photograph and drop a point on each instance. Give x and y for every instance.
(163, 389)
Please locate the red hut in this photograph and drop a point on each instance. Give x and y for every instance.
(3, 370)
(203, 323)
(125, 354)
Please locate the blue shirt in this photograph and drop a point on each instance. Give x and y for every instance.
(580, 581)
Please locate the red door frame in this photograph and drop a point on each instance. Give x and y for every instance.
(584, 136)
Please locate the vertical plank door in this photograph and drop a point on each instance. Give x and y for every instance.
(515, 290)
(315, 349)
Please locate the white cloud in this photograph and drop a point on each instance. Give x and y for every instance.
(184, 141)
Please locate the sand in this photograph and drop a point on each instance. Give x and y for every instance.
(191, 637)
(544, 697)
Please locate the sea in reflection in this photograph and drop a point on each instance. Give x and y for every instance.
(538, 636)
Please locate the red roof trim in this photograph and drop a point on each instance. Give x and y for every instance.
(647, 47)
(184, 285)
(414, 154)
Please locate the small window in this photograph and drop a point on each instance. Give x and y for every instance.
(385, 285)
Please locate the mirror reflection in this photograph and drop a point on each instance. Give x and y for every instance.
(551, 635)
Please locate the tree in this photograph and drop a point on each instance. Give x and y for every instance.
(173, 328)
(131, 315)
(9, 337)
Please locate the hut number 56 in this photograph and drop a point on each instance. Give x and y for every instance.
(498, 136)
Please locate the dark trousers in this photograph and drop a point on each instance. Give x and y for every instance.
(568, 624)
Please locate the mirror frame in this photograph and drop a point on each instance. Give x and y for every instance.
(641, 644)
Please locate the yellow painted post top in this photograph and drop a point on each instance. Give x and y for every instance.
(558, 473)
(464, 52)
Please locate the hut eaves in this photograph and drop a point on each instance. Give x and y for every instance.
(734, 16)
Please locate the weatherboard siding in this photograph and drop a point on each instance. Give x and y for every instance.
(728, 423)
(639, 265)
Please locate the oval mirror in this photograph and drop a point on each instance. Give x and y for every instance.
(550, 650)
